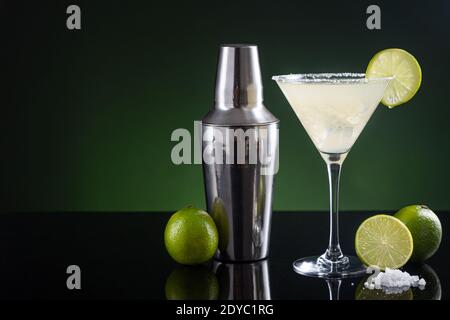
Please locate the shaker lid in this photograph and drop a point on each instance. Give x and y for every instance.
(239, 90)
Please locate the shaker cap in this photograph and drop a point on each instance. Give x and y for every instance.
(239, 90)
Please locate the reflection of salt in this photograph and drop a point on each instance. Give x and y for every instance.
(392, 281)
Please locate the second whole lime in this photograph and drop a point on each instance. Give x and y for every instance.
(425, 228)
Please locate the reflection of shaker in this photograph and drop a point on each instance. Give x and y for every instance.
(240, 156)
(243, 281)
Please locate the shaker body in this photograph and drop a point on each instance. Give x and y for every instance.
(238, 182)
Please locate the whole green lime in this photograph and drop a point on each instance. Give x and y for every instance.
(192, 283)
(191, 236)
(425, 228)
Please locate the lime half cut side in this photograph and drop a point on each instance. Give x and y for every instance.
(383, 241)
(405, 69)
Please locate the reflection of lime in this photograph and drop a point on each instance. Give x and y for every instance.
(383, 241)
(406, 72)
(362, 293)
(433, 289)
(219, 214)
(191, 236)
(192, 283)
(425, 228)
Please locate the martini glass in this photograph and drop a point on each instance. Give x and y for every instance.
(333, 109)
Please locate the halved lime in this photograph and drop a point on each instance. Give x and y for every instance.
(406, 72)
(383, 241)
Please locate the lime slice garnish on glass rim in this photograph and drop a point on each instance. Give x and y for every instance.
(406, 72)
(383, 241)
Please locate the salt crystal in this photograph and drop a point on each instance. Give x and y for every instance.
(392, 281)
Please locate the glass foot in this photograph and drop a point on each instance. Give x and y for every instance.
(318, 266)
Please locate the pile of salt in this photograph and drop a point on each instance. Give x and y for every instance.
(392, 281)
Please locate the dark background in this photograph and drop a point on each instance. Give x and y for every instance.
(87, 115)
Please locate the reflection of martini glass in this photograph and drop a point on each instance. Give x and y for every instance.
(334, 109)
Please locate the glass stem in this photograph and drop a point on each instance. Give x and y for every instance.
(334, 252)
(334, 286)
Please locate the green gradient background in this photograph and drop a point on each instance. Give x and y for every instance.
(89, 114)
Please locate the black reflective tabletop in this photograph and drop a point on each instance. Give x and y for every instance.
(122, 256)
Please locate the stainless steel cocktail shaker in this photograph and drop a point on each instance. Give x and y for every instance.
(240, 156)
